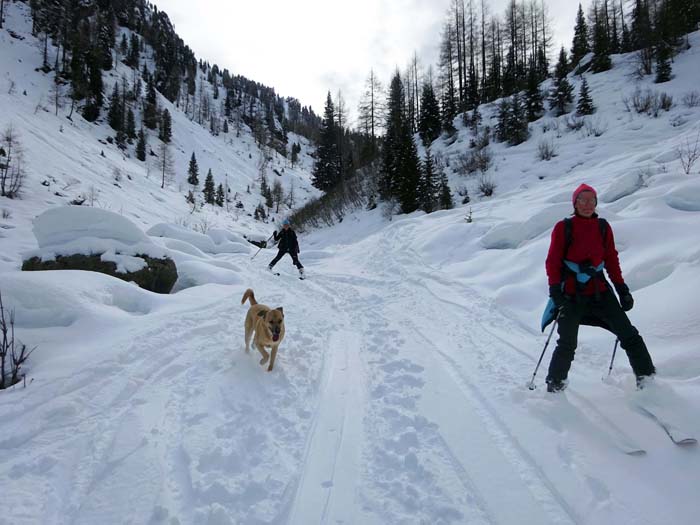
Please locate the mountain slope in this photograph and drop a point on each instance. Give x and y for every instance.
(67, 160)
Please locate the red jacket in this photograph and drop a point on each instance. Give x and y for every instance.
(586, 245)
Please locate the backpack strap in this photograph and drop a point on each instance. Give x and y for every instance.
(568, 228)
(582, 275)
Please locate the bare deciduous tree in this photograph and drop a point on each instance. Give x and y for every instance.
(689, 153)
(11, 163)
(56, 94)
(277, 194)
(12, 355)
(166, 165)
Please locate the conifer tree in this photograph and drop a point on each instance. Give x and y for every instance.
(534, 100)
(141, 146)
(503, 122)
(209, 190)
(626, 43)
(326, 170)
(266, 192)
(429, 119)
(225, 128)
(427, 185)
(296, 149)
(601, 43)
(165, 133)
(150, 110)
(585, 103)
(580, 44)
(667, 36)
(220, 195)
(663, 63)
(105, 37)
(642, 35)
(132, 59)
(517, 122)
(115, 117)
(130, 126)
(399, 170)
(193, 172)
(446, 201)
(561, 94)
(123, 46)
(475, 120)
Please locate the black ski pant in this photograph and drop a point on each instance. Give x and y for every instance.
(280, 254)
(608, 310)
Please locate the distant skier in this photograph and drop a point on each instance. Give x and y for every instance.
(580, 248)
(287, 243)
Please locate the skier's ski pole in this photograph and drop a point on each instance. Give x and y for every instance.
(531, 385)
(612, 360)
(266, 241)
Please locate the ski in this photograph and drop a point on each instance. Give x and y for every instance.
(676, 434)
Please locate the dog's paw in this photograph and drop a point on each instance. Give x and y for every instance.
(269, 368)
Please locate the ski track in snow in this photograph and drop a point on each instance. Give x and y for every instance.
(356, 423)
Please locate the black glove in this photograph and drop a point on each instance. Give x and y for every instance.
(626, 300)
(274, 234)
(557, 295)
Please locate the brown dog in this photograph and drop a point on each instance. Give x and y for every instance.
(268, 325)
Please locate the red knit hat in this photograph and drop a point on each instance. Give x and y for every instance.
(580, 189)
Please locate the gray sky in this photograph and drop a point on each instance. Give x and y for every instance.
(304, 48)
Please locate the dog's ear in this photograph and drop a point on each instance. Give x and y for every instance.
(281, 310)
(262, 313)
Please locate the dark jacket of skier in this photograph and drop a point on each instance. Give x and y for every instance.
(287, 241)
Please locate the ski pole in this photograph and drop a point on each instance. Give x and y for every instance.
(531, 385)
(613, 356)
(270, 237)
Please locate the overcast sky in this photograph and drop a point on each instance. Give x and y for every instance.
(304, 48)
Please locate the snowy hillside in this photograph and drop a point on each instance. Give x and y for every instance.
(72, 159)
(399, 392)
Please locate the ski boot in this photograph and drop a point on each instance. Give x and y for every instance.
(554, 385)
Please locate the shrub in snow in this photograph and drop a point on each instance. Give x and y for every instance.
(689, 153)
(595, 127)
(574, 123)
(12, 355)
(552, 125)
(473, 161)
(546, 150)
(648, 102)
(691, 99)
(486, 185)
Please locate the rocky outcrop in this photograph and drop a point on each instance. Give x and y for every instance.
(158, 275)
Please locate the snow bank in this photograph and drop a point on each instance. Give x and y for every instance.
(71, 230)
(216, 241)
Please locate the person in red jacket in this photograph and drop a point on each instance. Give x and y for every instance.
(580, 291)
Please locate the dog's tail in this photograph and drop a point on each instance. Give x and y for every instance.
(249, 295)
